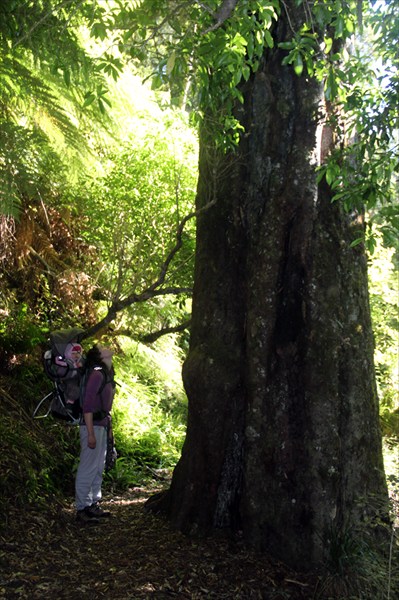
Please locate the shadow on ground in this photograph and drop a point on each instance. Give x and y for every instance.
(132, 556)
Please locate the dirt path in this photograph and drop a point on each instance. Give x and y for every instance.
(131, 556)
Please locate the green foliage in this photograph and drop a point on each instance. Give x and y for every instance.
(44, 73)
(383, 276)
(29, 167)
(157, 178)
(25, 468)
(206, 66)
(150, 407)
(301, 51)
(43, 283)
(360, 565)
(125, 474)
(363, 172)
(391, 463)
(19, 333)
(355, 570)
(133, 211)
(202, 66)
(34, 456)
(345, 547)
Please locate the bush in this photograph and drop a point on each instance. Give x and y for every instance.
(150, 407)
(35, 455)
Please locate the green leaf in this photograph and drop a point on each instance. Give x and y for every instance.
(349, 25)
(156, 82)
(339, 26)
(170, 63)
(250, 47)
(310, 66)
(237, 76)
(331, 173)
(99, 30)
(269, 39)
(246, 72)
(356, 242)
(89, 98)
(67, 77)
(328, 42)
(298, 64)
(331, 87)
(286, 45)
(321, 171)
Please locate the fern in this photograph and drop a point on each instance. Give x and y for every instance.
(44, 76)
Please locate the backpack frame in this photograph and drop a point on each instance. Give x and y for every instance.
(63, 402)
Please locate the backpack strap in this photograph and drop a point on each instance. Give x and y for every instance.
(108, 377)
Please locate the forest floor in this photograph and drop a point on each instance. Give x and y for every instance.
(135, 555)
(132, 555)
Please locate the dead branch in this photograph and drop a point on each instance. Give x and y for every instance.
(49, 271)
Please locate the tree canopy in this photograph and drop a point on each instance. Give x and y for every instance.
(203, 53)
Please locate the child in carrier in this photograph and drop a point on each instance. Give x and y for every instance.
(73, 353)
(69, 369)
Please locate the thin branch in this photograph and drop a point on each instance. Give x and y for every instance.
(149, 338)
(288, 16)
(148, 294)
(120, 305)
(225, 11)
(158, 28)
(178, 244)
(207, 9)
(41, 259)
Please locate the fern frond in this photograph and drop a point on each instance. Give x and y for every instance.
(44, 74)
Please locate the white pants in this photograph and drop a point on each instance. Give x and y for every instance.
(89, 475)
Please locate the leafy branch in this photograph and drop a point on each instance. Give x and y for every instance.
(156, 289)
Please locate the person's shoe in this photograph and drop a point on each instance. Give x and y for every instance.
(86, 517)
(98, 512)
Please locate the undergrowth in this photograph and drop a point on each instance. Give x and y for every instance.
(360, 568)
(149, 412)
(39, 458)
(34, 455)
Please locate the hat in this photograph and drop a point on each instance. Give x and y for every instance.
(72, 347)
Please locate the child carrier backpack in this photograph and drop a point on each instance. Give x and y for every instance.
(64, 365)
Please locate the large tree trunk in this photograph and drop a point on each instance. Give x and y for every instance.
(283, 441)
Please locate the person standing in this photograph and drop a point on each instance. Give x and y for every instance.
(95, 428)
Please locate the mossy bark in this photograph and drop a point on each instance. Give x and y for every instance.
(283, 440)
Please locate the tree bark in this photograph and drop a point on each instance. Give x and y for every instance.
(283, 440)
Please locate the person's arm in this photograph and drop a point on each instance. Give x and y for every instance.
(91, 440)
(90, 403)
